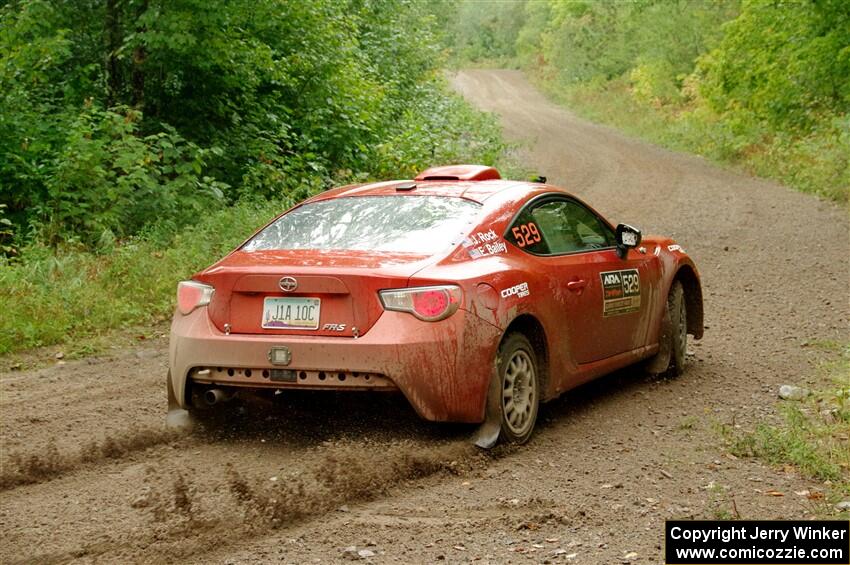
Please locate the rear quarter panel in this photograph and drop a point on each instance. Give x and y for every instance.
(501, 283)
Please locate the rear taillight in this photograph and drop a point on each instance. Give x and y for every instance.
(429, 303)
(191, 295)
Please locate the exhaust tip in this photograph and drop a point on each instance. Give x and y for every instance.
(214, 396)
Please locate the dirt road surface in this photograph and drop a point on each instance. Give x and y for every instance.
(90, 475)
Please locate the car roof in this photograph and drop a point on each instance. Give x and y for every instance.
(472, 182)
(477, 191)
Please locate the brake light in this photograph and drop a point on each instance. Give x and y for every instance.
(429, 303)
(191, 295)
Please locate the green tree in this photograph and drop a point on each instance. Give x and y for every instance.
(487, 29)
(783, 63)
(258, 98)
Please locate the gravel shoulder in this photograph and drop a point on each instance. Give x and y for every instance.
(302, 480)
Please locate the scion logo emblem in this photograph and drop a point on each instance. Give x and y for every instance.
(288, 284)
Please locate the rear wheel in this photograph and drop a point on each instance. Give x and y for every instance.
(176, 418)
(519, 394)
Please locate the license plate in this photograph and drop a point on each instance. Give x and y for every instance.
(291, 313)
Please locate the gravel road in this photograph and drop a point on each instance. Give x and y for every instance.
(90, 475)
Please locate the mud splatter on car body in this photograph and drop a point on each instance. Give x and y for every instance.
(414, 285)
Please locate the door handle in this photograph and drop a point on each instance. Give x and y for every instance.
(577, 285)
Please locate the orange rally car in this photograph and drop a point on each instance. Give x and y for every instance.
(475, 297)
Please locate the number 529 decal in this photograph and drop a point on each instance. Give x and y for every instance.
(526, 234)
(620, 292)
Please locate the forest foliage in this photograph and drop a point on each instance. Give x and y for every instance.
(141, 139)
(763, 83)
(119, 114)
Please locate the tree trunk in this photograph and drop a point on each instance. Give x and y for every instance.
(139, 56)
(113, 43)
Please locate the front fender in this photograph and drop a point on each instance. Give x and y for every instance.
(676, 264)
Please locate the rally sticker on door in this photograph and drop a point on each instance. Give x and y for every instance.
(620, 292)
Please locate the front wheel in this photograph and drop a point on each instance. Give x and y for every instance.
(679, 322)
(519, 394)
(672, 355)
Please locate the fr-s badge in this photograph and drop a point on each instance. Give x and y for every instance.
(620, 292)
(334, 327)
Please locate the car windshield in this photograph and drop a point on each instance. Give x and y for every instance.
(404, 224)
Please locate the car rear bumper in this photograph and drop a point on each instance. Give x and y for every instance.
(443, 368)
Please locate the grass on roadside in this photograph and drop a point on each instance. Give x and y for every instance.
(813, 435)
(53, 296)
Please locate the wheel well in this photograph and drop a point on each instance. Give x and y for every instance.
(532, 329)
(693, 299)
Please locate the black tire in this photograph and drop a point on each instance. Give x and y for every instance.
(671, 358)
(519, 390)
(176, 418)
(679, 329)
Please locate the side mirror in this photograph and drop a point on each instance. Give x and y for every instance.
(627, 238)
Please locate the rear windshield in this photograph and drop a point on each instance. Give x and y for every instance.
(405, 224)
